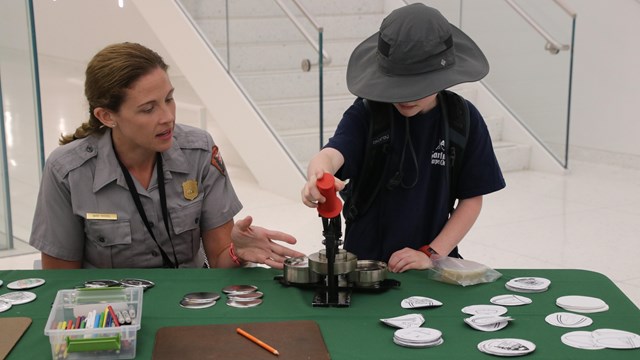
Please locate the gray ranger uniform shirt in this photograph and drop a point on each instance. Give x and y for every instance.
(86, 213)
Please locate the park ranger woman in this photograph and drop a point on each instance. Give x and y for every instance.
(131, 188)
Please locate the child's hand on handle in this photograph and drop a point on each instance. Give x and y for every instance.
(332, 206)
(311, 195)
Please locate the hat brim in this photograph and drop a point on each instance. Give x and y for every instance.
(366, 80)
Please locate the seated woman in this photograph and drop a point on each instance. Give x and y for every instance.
(133, 189)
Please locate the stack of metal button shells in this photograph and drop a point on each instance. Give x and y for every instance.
(199, 300)
(243, 296)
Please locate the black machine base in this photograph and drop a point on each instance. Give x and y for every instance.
(321, 299)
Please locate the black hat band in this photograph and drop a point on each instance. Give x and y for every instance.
(441, 60)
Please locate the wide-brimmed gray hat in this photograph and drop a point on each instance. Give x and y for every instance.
(416, 53)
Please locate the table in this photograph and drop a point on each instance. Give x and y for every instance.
(349, 333)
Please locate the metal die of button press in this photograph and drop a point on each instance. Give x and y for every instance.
(296, 271)
(345, 262)
(368, 273)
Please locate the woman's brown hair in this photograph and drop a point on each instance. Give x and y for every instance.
(109, 74)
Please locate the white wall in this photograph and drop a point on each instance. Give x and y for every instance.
(606, 88)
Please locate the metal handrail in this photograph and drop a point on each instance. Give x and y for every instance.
(552, 45)
(566, 8)
(306, 63)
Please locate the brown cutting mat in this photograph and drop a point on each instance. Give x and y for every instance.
(293, 340)
(11, 330)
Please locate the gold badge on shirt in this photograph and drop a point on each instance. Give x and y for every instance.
(190, 189)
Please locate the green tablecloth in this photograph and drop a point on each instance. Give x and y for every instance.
(349, 333)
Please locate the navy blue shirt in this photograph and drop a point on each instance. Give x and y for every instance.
(412, 216)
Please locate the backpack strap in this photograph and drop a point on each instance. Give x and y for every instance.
(376, 161)
(455, 113)
(360, 195)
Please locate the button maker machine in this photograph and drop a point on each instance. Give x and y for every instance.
(333, 271)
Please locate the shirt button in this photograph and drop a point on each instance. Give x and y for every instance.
(89, 148)
(101, 239)
(151, 224)
(154, 253)
(197, 220)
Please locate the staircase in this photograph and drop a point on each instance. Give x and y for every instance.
(265, 55)
(511, 155)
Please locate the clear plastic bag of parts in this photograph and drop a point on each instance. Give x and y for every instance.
(461, 272)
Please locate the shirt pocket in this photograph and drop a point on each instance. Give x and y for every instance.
(186, 227)
(187, 217)
(107, 241)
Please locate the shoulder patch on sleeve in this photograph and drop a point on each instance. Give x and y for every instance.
(216, 160)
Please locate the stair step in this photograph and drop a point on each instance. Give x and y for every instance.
(278, 85)
(468, 92)
(494, 124)
(217, 8)
(304, 113)
(512, 156)
(254, 57)
(280, 30)
(304, 144)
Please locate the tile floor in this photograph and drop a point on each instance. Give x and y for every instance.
(587, 219)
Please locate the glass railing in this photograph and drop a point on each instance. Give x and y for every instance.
(264, 50)
(21, 154)
(274, 53)
(529, 74)
(6, 233)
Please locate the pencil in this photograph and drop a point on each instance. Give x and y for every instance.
(257, 341)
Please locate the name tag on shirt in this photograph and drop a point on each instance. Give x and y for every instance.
(100, 216)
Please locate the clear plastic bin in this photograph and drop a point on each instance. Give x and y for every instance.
(108, 342)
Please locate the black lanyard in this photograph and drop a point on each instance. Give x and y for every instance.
(163, 201)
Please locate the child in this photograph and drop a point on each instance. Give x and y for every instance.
(415, 55)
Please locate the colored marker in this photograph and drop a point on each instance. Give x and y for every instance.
(113, 316)
(104, 317)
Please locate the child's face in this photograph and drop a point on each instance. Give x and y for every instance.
(415, 107)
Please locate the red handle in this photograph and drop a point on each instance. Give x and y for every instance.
(332, 206)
